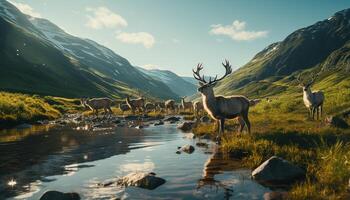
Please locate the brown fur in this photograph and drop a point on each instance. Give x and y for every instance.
(98, 103)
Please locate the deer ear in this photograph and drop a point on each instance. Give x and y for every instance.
(200, 84)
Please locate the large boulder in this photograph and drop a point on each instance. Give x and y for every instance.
(186, 126)
(276, 169)
(55, 195)
(336, 122)
(143, 180)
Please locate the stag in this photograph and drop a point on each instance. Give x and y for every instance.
(136, 104)
(222, 107)
(98, 103)
(313, 100)
(197, 107)
(186, 104)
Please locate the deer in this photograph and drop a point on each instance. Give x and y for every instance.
(186, 105)
(197, 107)
(134, 104)
(95, 104)
(170, 105)
(123, 107)
(160, 105)
(313, 100)
(149, 107)
(221, 108)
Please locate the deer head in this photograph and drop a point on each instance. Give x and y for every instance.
(306, 86)
(205, 86)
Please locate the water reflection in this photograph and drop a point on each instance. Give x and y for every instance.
(56, 151)
(89, 163)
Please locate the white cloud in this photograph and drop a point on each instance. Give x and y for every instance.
(150, 66)
(146, 39)
(26, 9)
(237, 31)
(102, 17)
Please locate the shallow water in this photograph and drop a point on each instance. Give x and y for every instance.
(69, 160)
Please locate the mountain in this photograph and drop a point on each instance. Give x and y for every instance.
(39, 57)
(176, 83)
(323, 48)
(190, 80)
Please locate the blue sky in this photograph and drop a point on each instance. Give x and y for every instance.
(176, 35)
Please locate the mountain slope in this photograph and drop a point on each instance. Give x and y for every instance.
(324, 45)
(176, 83)
(39, 57)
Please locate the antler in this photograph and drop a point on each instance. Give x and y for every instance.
(196, 74)
(228, 71)
(299, 80)
(314, 76)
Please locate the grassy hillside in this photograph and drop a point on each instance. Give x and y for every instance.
(16, 108)
(282, 127)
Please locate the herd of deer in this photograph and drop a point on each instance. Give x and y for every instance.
(139, 105)
(219, 108)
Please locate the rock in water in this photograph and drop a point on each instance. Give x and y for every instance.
(55, 195)
(187, 149)
(186, 126)
(337, 122)
(172, 119)
(143, 180)
(277, 169)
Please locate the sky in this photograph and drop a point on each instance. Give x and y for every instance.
(178, 34)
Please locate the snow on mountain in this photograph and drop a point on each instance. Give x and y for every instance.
(176, 83)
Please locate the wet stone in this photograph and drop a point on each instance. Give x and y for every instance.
(140, 179)
(55, 195)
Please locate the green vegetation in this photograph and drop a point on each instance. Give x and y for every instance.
(281, 127)
(16, 108)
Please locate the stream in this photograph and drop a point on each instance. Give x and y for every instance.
(66, 159)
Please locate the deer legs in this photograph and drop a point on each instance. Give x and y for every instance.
(221, 129)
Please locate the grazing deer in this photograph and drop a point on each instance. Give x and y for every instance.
(313, 100)
(170, 105)
(219, 107)
(98, 103)
(134, 104)
(198, 107)
(149, 107)
(186, 105)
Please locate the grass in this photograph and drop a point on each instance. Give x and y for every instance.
(16, 108)
(282, 128)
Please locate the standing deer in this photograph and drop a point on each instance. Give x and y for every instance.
(160, 106)
(197, 107)
(170, 105)
(149, 107)
(98, 103)
(219, 107)
(186, 105)
(134, 104)
(123, 107)
(313, 100)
